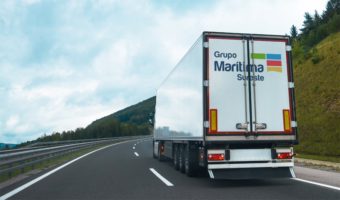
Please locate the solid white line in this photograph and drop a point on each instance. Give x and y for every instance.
(19, 189)
(168, 183)
(136, 154)
(316, 183)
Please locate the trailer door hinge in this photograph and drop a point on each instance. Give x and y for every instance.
(293, 123)
(291, 85)
(205, 83)
(206, 44)
(288, 48)
(206, 124)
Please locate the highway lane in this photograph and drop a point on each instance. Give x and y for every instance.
(123, 172)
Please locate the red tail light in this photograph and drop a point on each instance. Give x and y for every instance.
(216, 157)
(287, 155)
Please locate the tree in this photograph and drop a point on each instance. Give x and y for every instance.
(332, 7)
(335, 4)
(293, 32)
(317, 19)
(307, 24)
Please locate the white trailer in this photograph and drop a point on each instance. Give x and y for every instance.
(228, 106)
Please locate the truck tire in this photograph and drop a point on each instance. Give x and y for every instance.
(190, 161)
(176, 157)
(181, 159)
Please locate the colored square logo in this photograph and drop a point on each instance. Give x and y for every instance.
(274, 63)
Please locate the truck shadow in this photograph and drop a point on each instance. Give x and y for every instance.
(249, 183)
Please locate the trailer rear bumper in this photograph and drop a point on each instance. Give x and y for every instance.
(251, 170)
(250, 165)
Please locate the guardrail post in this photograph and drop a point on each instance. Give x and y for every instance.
(22, 168)
(48, 161)
(10, 172)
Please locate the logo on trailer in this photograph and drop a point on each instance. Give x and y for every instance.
(274, 63)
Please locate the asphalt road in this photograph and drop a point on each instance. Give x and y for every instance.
(123, 171)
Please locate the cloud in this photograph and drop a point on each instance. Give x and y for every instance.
(12, 121)
(30, 2)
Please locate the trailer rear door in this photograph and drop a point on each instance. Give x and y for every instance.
(249, 86)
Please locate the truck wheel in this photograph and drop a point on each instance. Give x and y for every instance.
(176, 157)
(181, 158)
(191, 161)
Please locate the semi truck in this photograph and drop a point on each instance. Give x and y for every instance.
(228, 107)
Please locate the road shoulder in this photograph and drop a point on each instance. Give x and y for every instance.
(318, 175)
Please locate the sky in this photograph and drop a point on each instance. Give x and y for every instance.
(66, 63)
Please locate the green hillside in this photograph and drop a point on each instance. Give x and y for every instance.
(137, 114)
(317, 77)
(316, 57)
(133, 120)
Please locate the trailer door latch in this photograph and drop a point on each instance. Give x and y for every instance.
(242, 126)
(260, 126)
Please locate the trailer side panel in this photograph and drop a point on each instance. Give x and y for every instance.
(179, 110)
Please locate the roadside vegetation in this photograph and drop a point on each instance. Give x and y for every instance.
(316, 54)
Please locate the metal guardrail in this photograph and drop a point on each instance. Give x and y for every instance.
(19, 159)
(37, 145)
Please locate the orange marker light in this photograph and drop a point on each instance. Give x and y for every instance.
(213, 120)
(286, 121)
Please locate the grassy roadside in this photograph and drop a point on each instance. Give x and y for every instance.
(50, 163)
(318, 99)
(325, 163)
(320, 158)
